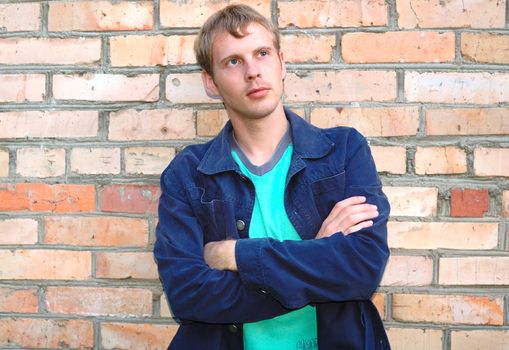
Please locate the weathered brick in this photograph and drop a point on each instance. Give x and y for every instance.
(22, 87)
(129, 198)
(43, 264)
(452, 13)
(378, 300)
(485, 47)
(40, 162)
(210, 121)
(463, 87)
(156, 124)
(412, 201)
(4, 160)
(187, 88)
(334, 13)
(96, 231)
(467, 121)
(390, 159)
(440, 160)
(318, 47)
(408, 271)
(474, 339)
(415, 338)
(456, 309)
(18, 300)
(151, 50)
(20, 17)
(345, 86)
(505, 203)
(491, 161)
(390, 121)
(448, 235)
(47, 198)
(126, 265)
(95, 160)
(46, 333)
(474, 270)
(50, 51)
(147, 160)
(398, 47)
(469, 202)
(99, 301)
(106, 87)
(165, 309)
(136, 336)
(18, 231)
(193, 14)
(100, 15)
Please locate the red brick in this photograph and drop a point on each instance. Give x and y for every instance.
(50, 51)
(47, 198)
(20, 17)
(46, 333)
(451, 13)
(389, 159)
(485, 47)
(100, 15)
(22, 87)
(165, 309)
(398, 47)
(136, 336)
(473, 339)
(440, 160)
(378, 300)
(40, 162)
(147, 160)
(96, 231)
(474, 270)
(415, 338)
(318, 47)
(345, 85)
(187, 88)
(130, 198)
(42, 264)
(505, 203)
(210, 121)
(18, 231)
(452, 309)
(412, 201)
(95, 160)
(469, 202)
(408, 271)
(334, 13)
(491, 161)
(4, 160)
(99, 301)
(18, 300)
(467, 121)
(126, 265)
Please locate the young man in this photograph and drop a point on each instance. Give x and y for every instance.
(273, 234)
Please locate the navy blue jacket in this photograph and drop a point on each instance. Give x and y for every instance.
(206, 198)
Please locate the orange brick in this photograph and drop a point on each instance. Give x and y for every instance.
(485, 47)
(469, 202)
(398, 47)
(492, 339)
(457, 309)
(491, 161)
(378, 300)
(20, 17)
(165, 309)
(440, 160)
(96, 231)
(136, 336)
(50, 51)
(99, 301)
(477, 270)
(345, 85)
(448, 235)
(18, 300)
(187, 88)
(318, 47)
(505, 203)
(193, 14)
(467, 121)
(391, 121)
(157, 124)
(47, 198)
(151, 50)
(452, 13)
(46, 333)
(106, 87)
(412, 201)
(40, 162)
(100, 15)
(130, 198)
(4, 160)
(210, 121)
(464, 87)
(389, 159)
(334, 13)
(126, 265)
(42, 264)
(18, 231)
(95, 160)
(147, 160)
(22, 87)
(408, 271)
(415, 338)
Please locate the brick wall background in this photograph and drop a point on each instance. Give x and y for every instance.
(96, 97)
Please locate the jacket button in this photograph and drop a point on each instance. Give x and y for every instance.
(233, 328)
(241, 225)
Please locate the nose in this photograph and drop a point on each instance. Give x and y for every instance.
(252, 70)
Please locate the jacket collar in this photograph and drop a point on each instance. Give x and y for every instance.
(308, 142)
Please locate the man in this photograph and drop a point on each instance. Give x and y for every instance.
(273, 234)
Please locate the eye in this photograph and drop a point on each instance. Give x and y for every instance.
(233, 61)
(264, 52)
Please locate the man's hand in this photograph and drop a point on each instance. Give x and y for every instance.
(220, 255)
(348, 216)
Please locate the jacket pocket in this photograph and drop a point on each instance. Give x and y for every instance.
(327, 192)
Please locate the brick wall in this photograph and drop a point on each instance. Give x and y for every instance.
(96, 97)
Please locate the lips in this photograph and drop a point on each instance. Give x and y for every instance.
(258, 92)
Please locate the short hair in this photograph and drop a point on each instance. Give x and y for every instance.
(232, 19)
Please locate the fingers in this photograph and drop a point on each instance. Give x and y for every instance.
(359, 227)
(341, 206)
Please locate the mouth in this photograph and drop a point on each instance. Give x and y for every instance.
(257, 92)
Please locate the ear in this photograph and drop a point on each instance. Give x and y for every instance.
(209, 85)
(283, 64)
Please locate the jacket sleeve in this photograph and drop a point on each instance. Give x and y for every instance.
(195, 291)
(336, 268)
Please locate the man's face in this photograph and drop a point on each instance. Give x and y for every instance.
(248, 73)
